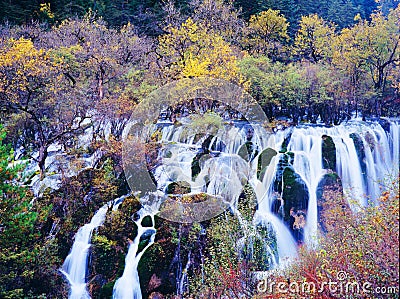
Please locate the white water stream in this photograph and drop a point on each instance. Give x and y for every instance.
(380, 152)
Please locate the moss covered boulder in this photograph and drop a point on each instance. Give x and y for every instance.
(248, 151)
(359, 145)
(264, 159)
(328, 153)
(294, 191)
(198, 162)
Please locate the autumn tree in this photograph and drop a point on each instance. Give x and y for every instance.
(219, 16)
(105, 65)
(31, 81)
(314, 38)
(369, 53)
(54, 85)
(383, 39)
(192, 50)
(266, 33)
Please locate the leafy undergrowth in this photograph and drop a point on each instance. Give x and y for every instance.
(358, 256)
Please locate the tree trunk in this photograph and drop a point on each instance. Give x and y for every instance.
(43, 153)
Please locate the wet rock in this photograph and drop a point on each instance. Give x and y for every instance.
(264, 159)
(297, 223)
(285, 144)
(180, 187)
(385, 123)
(328, 153)
(292, 194)
(359, 145)
(295, 193)
(198, 161)
(248, 151)
(370, 140)
(147, 222)
(331, 183)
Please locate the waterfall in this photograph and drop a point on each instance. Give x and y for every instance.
(183, 282)
(223, 175)
(367, 157)
(128, 285)
(395, 146)
(379, 152)
(286, 245)
(306, 144)
(75, 264)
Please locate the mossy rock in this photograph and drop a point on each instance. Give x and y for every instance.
(130, 205)
(370, 140)
(285, 161)
(147, 221)
(290, 157)
(180, 187)
(295, 193)
(206, 143)
(264, 159)
(156, 136)
(247, 202)
(145, 239)
(106, 290)
(247, 151)
(385, 123)
(328, 153)
(285, 144)
(157, 258)
(197, 161)
(330, 180)
(167, 154)
(359, 145)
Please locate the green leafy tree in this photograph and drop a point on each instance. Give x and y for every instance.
(369, 53)
(18, 234)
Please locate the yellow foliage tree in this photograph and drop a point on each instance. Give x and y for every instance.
(193, 51)
(266, 32)
(314, 38)
(22, 69)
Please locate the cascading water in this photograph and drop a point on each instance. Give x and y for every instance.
(366, 155)
(306, 145)
(75, 264)
(286, 245)
(379, 152)
(228, 173)
(128, 285)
